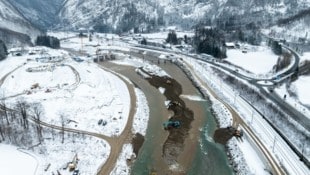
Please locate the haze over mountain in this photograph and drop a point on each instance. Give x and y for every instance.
(14, 28)
(145, 15)
(118, 15)
(40, 12)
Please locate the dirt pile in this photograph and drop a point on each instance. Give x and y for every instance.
(174, 144)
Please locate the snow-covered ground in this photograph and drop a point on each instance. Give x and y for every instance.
(299, 87)
(11, 157)
(290, 32)
(52, 155)
(82, 92)
(160, 36)
(141, 117)
(274, 143)
(258, 60)
(79, 89)
(305, 56)
(121, 167)
(302, 88)
(63, 88)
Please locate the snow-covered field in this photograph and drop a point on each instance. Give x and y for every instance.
(52, 155)
(302, 88)
(64, 87)
(11, 157)
(305, 56)
(260, 60)
(298, 102)
(81, 92)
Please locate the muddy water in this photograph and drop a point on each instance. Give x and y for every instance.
(208, 158)
(150, 155)
(200, 155)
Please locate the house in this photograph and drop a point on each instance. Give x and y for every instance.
(230, 45)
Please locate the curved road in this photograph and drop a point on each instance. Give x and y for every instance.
(116, 143)
(237, 120)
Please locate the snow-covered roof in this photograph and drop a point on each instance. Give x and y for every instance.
(228, 44)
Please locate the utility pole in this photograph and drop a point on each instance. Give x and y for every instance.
(252, 116)
(274, 143)
(235, 97)
(81, 43)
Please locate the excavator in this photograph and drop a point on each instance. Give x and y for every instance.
(171, 124)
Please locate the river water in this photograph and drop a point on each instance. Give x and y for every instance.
(203, 156)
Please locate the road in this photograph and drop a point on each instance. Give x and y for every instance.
(116, 142)
(237, 120)
(261, 145)
(287, 108)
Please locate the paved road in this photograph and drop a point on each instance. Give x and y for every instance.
(276, 79)
(287, 108)
(237, 120)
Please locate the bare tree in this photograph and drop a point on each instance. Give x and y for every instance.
(22, 107)
(62, 119)
(38, 111)
(5, 110)
(1, 132)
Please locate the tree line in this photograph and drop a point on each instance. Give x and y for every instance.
(3, 50)
(210, 41)
(16, 128)
(48, 41)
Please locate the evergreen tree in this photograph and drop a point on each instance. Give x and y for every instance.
(172, 38)
(210, 41)
(48, 41)
(144, 42)
(3, 50)
(276, 47)
(185, 39)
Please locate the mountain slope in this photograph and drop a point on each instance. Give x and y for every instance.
(42, 13)
(114, 14)
(14, 28)
(148, 15)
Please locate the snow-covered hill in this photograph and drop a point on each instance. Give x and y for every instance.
(186, 13)
(14, 25)
(41, 13)
(146, 15)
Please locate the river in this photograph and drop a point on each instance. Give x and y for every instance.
(201, 155)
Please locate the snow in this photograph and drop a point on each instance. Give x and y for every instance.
(121, 167)
(164, 35)
(259, 61)
(293, 100)
(192, 97)
(148, 67)
(15, 162)
(161, 90)
(12, 19)
(302, 88)
(70, 85)
(62, 35)
(305, 56)
(140, 121)
(91, 152)
(249, 148)
(282, 152)
(83, 84)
